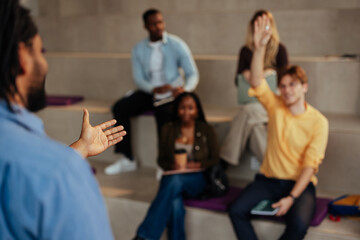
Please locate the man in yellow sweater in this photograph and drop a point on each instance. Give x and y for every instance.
(297, 139)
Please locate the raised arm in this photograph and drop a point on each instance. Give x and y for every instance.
(262, 35)
(96, 139)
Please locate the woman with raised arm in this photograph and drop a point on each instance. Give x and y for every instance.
(275, 53)
(250, 121)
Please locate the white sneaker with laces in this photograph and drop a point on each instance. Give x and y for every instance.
(121, 165)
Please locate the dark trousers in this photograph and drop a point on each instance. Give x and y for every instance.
(297, 219)
(134, 105)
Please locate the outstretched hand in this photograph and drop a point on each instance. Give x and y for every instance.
(262, 31)
(96, 139)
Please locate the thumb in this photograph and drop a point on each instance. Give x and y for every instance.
(86, 120)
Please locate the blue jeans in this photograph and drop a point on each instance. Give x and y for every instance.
(167, 209)
(297, 219)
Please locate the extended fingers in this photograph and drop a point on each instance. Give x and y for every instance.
(116, 135)
(115, 141)
(265, 23)
(275, 205)
(281, 212)
(107, 124)
(262, 23)
(115, 130)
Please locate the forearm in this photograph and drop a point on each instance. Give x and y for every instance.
(191, 73)
(285, 203)
(189, 67)
(191, 82)
(302, 182)
(80, 148)
(257, 66)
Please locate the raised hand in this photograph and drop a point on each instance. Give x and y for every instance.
(96, 139)
(262, 31)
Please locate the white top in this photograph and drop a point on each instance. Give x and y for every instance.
(187, 147)
(157, 76)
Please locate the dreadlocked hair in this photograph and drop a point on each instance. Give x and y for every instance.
(16, 26)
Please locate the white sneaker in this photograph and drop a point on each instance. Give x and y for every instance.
(159, 173)
(121, 165)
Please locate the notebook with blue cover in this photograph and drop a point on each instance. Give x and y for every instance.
(264, 208)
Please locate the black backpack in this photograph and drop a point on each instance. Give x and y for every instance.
(217, 182)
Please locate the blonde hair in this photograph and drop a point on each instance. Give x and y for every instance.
(273, 44)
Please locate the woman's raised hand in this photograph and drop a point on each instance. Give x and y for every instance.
(262, 31)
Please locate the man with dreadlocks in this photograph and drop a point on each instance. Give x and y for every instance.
(47, 190)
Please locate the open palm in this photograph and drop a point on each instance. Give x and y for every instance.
(96, 139)
(262, 32)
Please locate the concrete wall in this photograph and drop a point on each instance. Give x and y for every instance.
(307, 28)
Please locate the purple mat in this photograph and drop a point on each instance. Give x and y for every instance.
(222, 203)
(60, 100)
(217, 204)
(322, 206)
(148, 113)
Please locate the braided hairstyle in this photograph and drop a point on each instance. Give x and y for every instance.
(16, 26)
(201, 115)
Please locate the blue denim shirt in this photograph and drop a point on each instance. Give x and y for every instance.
(47, 190)
(176, 55)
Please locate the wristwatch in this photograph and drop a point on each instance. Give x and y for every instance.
(293, 197)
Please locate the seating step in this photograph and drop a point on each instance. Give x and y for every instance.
(63, 124)
(134, 191)
(108, 77)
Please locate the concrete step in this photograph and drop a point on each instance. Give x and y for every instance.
(337, 172)
(126, 215)
(334, 85)
(135, 191)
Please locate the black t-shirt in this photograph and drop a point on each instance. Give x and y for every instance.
(245, 56)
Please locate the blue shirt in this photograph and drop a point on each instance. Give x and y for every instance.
(176, 55)
(47, 190)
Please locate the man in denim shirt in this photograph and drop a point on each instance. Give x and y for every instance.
(155, 61)
(47, 189)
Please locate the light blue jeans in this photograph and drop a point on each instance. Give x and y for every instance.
(167, 209)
